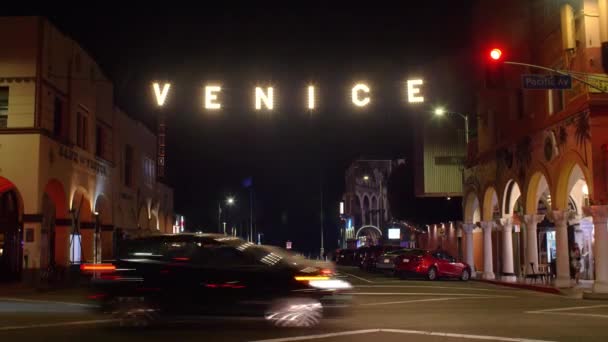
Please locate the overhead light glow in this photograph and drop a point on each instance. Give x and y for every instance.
(266, 98)
(413, 90)
(439, 111)
(161, 96)
(311, 97)
(360, 102)
(211, 97)
(585, 189)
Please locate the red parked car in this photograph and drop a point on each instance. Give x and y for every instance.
(431, 264)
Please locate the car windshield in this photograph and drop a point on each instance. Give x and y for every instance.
(205, 249)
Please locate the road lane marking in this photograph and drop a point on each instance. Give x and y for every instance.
(354, 276)
(468, 336)
(429, 300)
(425, 287)
(421, 294)
(570, 308)
(567, 314)
(10, 299)
(60, 324)
(401, 331)
(559, 311)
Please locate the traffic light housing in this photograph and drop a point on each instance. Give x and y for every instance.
(495, 74)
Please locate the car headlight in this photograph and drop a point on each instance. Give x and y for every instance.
(330, 284)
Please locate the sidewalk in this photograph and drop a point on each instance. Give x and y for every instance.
(24, 291)
(575, 291)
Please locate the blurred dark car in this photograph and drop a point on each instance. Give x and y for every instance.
(346, 257)
(196, 275)
(372, 255)
(430, 264)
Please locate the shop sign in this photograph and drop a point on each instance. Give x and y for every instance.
(91, 164)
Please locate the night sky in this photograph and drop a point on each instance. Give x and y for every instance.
(289, 152)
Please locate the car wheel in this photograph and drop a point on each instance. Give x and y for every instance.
(134, 312)
(465, 276)
(295, 313)
(400, 274)
(432, 274)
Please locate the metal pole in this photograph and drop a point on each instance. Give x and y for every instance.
(466, 130)
(251, 239)
(219, 218)
(322, 218)
(557, 72)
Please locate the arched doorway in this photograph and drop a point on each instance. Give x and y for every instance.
(472, 214)
(580, 228)
(143, 219)
(11, 233)
(369, 235)
(55, 230)
(104, 233)
(82, 234)
(512, 256)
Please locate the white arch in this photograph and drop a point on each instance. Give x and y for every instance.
(577, 186)
(368, 226)
(512, 193)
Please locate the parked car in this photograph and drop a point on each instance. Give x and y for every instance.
(430, 264)
(360, 255)
(194, 275)
(386, 261)
(346, 257)
(373, 254)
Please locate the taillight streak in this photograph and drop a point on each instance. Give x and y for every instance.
(97, 268)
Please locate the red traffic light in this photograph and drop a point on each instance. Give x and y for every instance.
(495, 54)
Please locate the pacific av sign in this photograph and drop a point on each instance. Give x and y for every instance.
(264, 99)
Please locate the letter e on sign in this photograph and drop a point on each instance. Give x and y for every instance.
(413, 90)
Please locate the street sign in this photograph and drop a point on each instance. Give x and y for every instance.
(546, 82)
(288, 245)
(599, 81)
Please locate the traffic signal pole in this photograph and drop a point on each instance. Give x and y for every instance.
(557, 71)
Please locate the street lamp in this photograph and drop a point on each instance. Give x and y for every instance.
(229, 202)
(440, 111)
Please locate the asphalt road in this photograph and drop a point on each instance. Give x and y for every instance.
(385, 309)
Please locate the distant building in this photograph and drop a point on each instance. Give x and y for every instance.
(366, 209)
(76, 173)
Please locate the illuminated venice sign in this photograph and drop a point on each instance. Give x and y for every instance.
(264, 97)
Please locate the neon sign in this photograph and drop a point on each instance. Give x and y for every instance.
(264, 97)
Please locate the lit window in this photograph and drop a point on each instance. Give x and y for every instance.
(75, 251)
(149, 172)
(81, 130)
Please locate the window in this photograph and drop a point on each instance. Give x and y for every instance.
(555, 101)
(81, 130)
(99, 141)
(128, 165)
(75, 251)
(3, 107)
(58, 117)
(149, 172)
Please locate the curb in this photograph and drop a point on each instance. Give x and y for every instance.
(544, 289)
